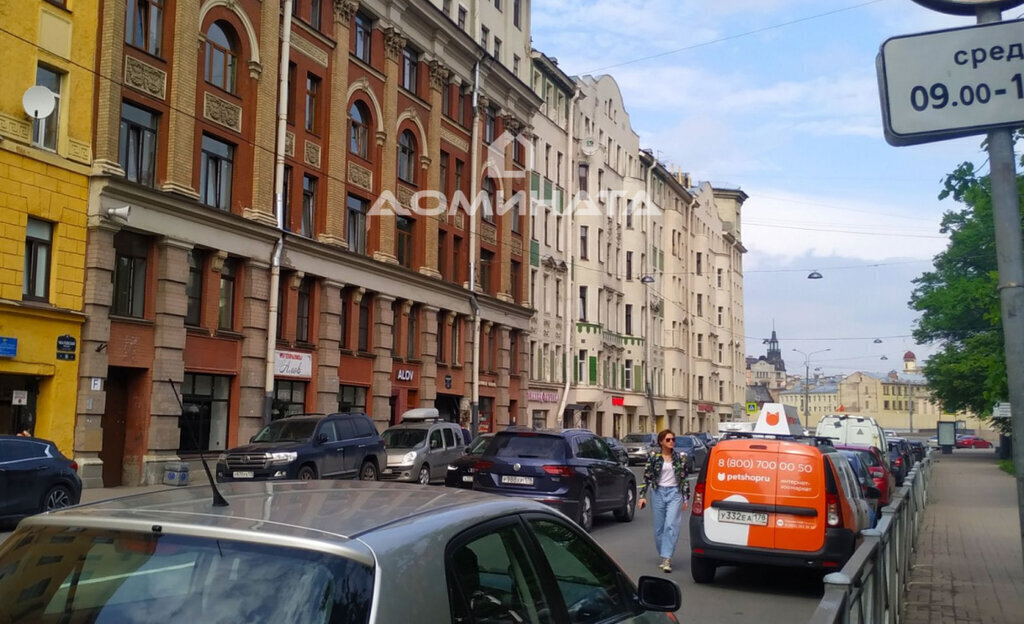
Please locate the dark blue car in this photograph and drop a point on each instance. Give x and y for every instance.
(573, 470)
(34, 477)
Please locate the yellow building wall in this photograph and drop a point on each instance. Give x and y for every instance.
(34, 32)
(48, 185)
(37, 356)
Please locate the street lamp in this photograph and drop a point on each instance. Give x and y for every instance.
(646, 280)
(807, 381)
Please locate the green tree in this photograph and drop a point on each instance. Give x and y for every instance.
(959, 301)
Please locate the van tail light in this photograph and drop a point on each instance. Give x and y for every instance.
(832, 515)
(74, 465)
(697, 508)
(559, 471)
(483, 465)
(898, 462)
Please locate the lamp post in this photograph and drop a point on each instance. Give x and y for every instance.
(807, 381)
(646, 280)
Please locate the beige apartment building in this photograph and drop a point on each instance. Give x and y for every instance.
(644, 350)
(550, 327)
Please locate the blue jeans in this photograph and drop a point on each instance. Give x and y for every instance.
(666, 504)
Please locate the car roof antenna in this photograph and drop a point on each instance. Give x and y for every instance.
(218, 498)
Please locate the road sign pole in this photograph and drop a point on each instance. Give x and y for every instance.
(1010, 257)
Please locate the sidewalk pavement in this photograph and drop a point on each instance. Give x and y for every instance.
(967, 567)
(92, 495)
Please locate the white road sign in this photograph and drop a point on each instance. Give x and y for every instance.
(952, 83)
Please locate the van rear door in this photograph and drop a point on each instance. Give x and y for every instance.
(799, 518)
(740, 493)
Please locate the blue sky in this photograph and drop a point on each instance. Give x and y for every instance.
(780, 98)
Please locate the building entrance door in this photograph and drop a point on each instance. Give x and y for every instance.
(120, 382)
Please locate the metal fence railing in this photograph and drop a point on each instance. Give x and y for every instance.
(871, 587)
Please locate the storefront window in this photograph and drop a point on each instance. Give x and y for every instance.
(204, 419)
(486, 414)
(289, 398)
(352, 399)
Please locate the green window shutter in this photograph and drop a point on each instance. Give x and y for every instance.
(535, 185)
(622, 375)
(638, 383)
(576, 368)
(534, 253)
(593, 369)
(547, 191)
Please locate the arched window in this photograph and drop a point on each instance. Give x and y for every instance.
(221, 56)
(407, 157)
(490, 198)
(359, 128)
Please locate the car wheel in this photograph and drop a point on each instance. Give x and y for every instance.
(58, 497)
(368, 472)
(702, 570)
(306, 473)
(424, 476)
(625, 514)
(585, 518)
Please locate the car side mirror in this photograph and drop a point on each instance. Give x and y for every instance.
(252, 439)
(658, 594)
(321, 438)
(434, 444)
(873, 492)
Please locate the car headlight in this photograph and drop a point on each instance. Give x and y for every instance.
(409, 457)
(451, 467)
(222, 458)
(283, 457)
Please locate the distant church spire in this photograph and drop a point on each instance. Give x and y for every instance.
(774, 355)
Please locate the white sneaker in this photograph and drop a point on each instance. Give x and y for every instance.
(666, 565)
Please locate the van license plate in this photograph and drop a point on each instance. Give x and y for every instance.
(513, 480)
(467, 479)
(743, 517)
(247, 474)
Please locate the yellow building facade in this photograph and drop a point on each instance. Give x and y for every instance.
(45, 157)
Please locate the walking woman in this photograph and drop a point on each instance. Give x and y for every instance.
(665, 483)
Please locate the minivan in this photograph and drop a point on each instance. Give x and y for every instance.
(852, 429)
(421, 447)
(776, 497)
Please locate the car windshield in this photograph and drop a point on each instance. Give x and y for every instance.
(529, 447)
(477, 446)
(100, 575)
(635, 438)
(403, 438)
(287, 430)
(682, 442)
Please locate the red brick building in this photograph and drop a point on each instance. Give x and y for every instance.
(375, 312)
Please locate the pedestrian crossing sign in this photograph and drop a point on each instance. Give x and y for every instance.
(751, 408)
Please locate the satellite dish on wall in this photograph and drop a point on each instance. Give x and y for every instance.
(588, 146)
(38, 102)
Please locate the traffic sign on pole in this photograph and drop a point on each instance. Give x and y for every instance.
(952, 83)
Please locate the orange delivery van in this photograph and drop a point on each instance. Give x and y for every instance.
(775, 496)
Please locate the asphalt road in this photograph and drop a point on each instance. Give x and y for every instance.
(760, 594)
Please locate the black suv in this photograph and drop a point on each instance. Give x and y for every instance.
(573, 470)
(308, 446)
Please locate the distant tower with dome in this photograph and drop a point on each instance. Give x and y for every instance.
(909, 362)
